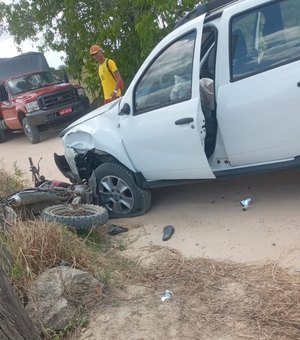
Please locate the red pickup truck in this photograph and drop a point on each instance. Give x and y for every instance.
(33, 98)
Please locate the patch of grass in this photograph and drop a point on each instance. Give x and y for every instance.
(12, 181)
(72, 328)
(38, 245)
(221, 298)
(93, 240)
(17, 272)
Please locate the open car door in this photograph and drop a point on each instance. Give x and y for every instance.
(164, 134)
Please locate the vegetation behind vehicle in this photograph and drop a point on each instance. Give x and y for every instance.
(137, 27)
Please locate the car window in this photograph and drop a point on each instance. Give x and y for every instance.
(168, 80)
(266, 37)
(208, 55)
(32, 81)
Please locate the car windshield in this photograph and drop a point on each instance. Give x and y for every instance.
(32, 81)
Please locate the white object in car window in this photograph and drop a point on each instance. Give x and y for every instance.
(181, 89)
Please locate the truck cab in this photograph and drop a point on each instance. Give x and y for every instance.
(33, 98)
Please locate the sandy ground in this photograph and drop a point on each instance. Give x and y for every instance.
(17, 150)
(208, 218)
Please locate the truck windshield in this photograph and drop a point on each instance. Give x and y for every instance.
(32, 81)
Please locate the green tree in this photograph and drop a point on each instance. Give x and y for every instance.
(126, 29)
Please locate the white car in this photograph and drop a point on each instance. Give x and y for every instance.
(219, 96)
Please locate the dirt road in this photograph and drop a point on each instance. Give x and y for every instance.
(17, 150)
(207, 218)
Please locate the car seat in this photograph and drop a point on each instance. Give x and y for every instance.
(243, 62)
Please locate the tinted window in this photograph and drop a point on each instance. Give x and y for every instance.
(169, 78)
(264, 38)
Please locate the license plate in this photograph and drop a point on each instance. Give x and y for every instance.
(65, 111)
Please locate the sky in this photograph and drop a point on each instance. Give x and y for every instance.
(9, 49)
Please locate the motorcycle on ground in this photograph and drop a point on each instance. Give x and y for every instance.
(55, 201)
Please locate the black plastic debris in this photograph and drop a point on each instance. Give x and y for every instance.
(168, 232)
(113, 229)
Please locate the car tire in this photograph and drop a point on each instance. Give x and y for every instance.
(31, 131)
(130, 201)
(79, 217)
(3, 132)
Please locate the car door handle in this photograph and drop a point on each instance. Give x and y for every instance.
(182, 121)
(298, 84)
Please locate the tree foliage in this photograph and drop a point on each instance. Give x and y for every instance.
(126, 29)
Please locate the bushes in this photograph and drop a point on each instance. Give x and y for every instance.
(11, 182)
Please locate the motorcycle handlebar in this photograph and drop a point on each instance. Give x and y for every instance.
(30, 161)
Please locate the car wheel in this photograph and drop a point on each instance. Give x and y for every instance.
(3, 132)
(119, 193)
(81, 216)
(31, 132)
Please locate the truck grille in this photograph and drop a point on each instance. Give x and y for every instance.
(57, 99)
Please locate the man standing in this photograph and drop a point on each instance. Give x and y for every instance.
(111, 80)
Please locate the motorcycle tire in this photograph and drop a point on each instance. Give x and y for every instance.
(82, 216)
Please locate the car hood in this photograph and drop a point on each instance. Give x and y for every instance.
(108, 109)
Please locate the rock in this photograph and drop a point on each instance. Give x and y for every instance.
(57, 294)
(7, 215)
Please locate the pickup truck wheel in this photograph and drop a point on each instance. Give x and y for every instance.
(31, 131)
(3, 132)
(119, 193)
(81, 216)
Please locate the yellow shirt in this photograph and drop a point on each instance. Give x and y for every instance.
(107, 80)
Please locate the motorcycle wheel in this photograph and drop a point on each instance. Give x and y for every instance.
(80, 216)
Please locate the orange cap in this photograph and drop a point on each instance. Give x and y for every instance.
(95, 49)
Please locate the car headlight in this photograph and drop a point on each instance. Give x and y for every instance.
(81, 92)
(32, 106)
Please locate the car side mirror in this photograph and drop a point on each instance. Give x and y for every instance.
(125, 110)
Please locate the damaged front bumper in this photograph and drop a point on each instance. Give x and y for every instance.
(64, 168)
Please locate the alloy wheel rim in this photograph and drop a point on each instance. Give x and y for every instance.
(116, 195)
(27, 130)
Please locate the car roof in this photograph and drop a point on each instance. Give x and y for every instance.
(209, 8)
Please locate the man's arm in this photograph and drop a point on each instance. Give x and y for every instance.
(119, 84)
